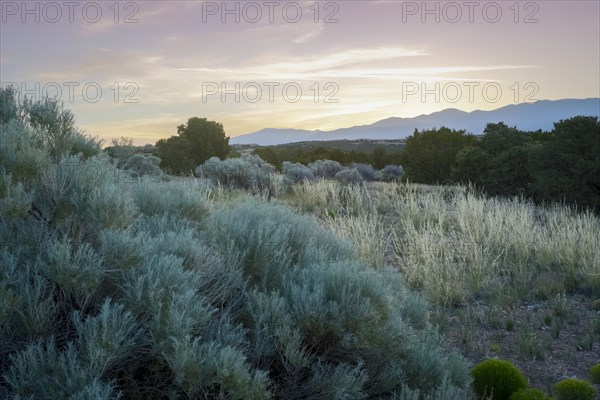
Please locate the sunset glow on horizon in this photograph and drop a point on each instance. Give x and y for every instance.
(141, 68)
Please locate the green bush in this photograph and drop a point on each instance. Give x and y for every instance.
(574, 389)
(529, 394)
(498, 378)
(595, 374)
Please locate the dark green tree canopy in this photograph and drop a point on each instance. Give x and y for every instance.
(429, 154)
(196, 142)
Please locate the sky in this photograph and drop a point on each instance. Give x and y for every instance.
(141, 68)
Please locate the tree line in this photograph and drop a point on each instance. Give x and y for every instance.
(561, 165)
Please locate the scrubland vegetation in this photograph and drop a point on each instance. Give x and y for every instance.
(321, 281)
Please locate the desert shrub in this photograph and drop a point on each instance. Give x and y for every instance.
(29, 307)
(595, 374)
(122, 149)
(54, 126)
(160, 291)
(76, 269)
(325, 168)
(297, 172)
(141, 165)
(174, 199)
(391, 173)
(366, 171)
(498, 378)
(246, 172)
(322, 324)
(198, 366)
(106, 340)
(271, 239)
(529, 394)
(349, 176)
(163, 289)
(14, 199)
(22, 153)
(45, 372)
(446, 391)
(574, 389)
(80, 197)
(9, 106)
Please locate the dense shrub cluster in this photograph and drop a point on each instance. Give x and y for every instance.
(251, 172)
(246, 172)
(144, 289)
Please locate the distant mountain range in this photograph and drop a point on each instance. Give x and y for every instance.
(527, 116)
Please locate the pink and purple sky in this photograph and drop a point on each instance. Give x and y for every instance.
(148, 66)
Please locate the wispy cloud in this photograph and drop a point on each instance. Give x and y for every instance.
(309, 67)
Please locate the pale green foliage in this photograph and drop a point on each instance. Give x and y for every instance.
(21, 152)
(342, 381)
(163, 293)
(106, 340)
(322, 310)
(446, 391)
(325, 168)
(246, 172)
(142, 165)
(41, 370)
(270, 239)
(14, 200)
(80, 198)
(177, 199)
(55, 127)
(143, 288)
(297, 172)
(78, 271)
(198, 366)
(9, 107)
(30, 307)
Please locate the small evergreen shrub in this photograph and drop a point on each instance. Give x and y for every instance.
(574, 389)
(529, 394)
(498, 378)
(595, 374)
